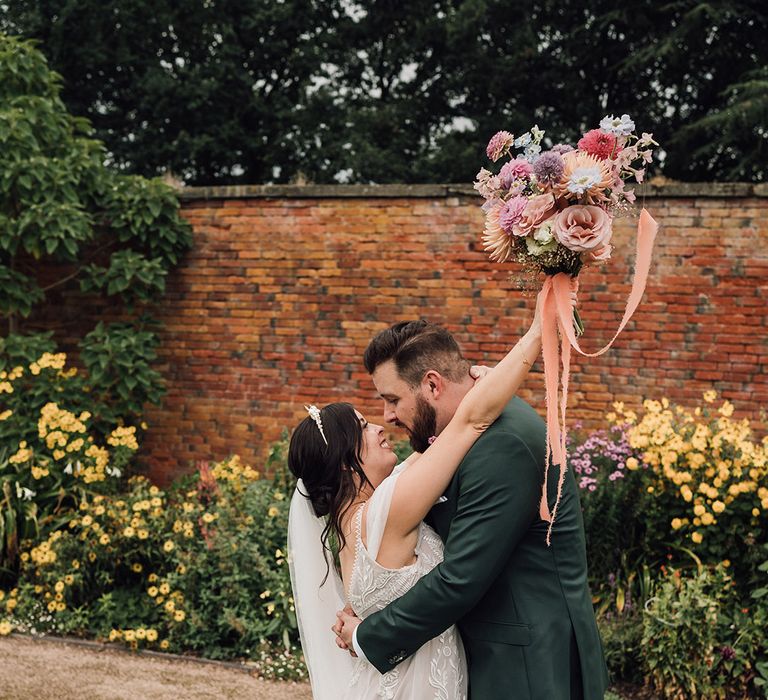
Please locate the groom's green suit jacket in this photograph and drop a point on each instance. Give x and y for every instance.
(524, 609)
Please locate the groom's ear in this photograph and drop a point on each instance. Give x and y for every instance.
(433, 384)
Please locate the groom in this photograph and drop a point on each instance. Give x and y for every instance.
(524, 609)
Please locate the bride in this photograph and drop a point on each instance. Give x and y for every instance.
(351, 498)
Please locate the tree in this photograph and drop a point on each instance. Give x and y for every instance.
(63, 212)
(209, 89)
(257, 91)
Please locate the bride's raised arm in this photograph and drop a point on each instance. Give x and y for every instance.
(419, 486)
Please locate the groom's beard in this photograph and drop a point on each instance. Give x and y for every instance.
(424, 425)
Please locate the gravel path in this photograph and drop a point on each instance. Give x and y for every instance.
(51, 670)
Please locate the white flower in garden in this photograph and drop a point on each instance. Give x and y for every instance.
(537, 133)
(618, 126)
(27, 494)
(68, 468)
(582, 179)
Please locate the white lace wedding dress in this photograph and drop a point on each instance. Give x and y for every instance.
(438, 669)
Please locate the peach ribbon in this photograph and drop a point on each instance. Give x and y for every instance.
(557, 317)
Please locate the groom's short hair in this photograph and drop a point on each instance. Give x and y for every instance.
(416, 347)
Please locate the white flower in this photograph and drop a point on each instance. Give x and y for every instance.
(583, 178)
(523, 141)
(537, 134)
(618, 126)
(68, 468)
(544, 233)
(27, 494)
(114, 471)
(646, 140)
(532, 151)
(535, 248)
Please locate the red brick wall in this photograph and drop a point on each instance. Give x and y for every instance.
(274, 305)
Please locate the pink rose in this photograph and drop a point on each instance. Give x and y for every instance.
(583, 227)
(599, 255)
(537, 211)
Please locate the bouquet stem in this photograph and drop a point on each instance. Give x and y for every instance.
(578, 324)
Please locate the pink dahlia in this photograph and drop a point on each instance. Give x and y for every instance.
(598, 143)
(511, 213)
(517, 169)
(499, 144)
(496, 241)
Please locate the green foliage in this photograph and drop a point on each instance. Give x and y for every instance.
(201, 567)
(392, 92)
(119, 358)
(117, 235)
(698, 641)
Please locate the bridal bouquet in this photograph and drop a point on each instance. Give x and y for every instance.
(553, 211)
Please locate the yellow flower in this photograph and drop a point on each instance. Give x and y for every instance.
(5, 628)
(726, 563)
(137, 568)
(141, 633)
(208, 517)
(59, 587)
(168, 546)
(152, 578)
(75, 564)
(272, 512)
(632, 463)
(143, 534)
(697, 537)
(181, 569)
(726, 409)
(699, 509)
(87, 520)
(676, 523)
(755, 512)
(165, 589)
(165, 644)
(151, 635)
(61, 606)
(707, 519)
(129, 532)
(718, 506)
(152, 591)
(650, 489)
(104, 539)
(69, 579)
(129, 635)
(179, 615)
(91, 556)
(170, 606)
(710, 396)
(114, 634)
(52, 606)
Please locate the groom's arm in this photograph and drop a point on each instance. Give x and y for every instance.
(499, 491)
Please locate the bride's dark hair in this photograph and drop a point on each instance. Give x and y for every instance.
(328, 471)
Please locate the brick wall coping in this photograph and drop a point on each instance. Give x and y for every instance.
(666, 190)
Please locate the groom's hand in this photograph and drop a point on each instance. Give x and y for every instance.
(346, 623)
(477, 372)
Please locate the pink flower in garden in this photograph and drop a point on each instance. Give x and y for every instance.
(511, 213)
(598, 143)
(538, 210)
(517, 169)
(499, 144)
(583, 227)
(487, 184)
